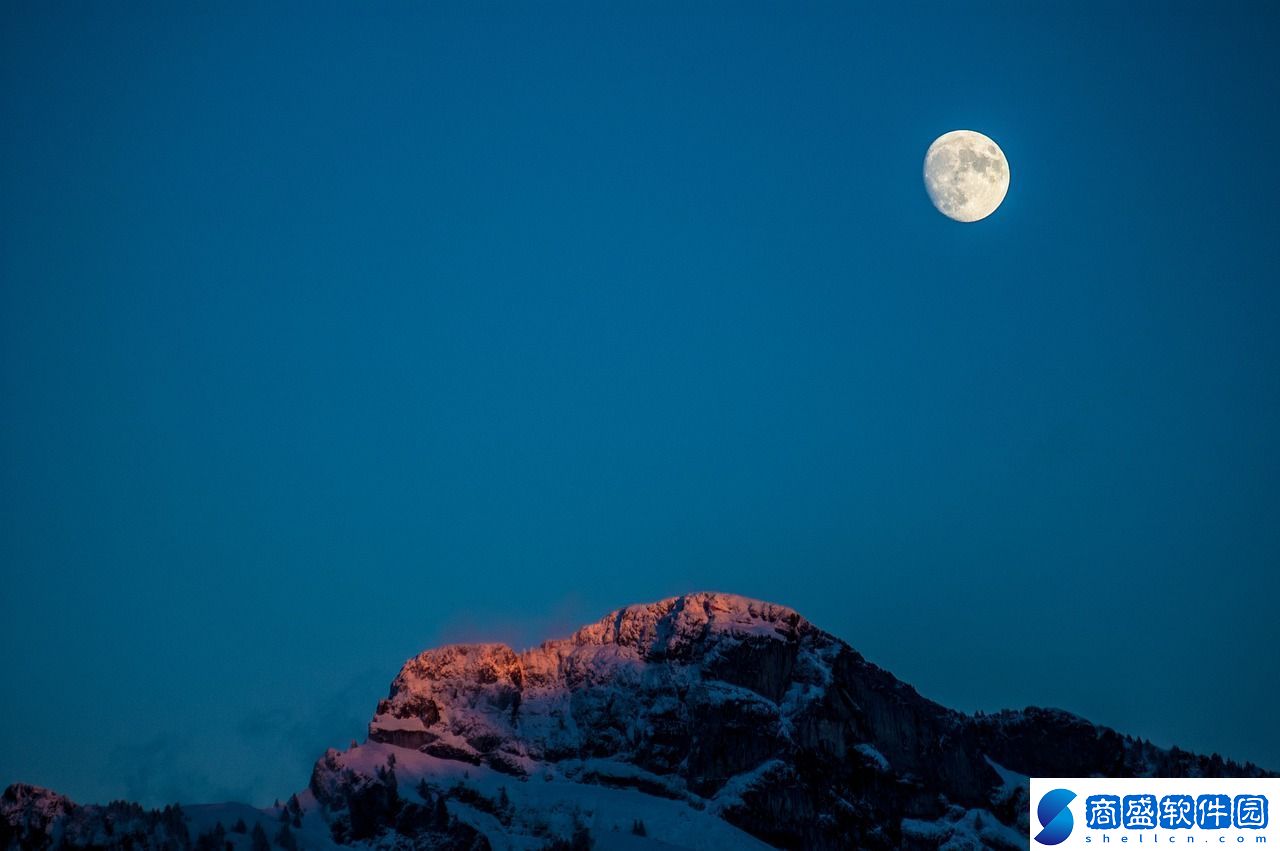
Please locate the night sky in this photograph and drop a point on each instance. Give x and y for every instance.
(334, 332)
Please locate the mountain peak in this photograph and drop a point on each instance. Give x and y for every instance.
(659, 628)
(486, 703)
(706, 720)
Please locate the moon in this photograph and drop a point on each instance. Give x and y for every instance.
(966, 175)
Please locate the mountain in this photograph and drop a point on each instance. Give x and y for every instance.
(707, 720)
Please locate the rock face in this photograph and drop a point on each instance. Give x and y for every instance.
(747, 708)
(717, 719)
(699, 685)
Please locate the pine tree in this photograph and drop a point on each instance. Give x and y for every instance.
(285, 838)
(503, 810)
(581, 840)
(258, 839)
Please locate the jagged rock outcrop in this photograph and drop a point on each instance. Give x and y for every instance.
(640, 683)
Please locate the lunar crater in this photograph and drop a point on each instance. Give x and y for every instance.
(966, 175)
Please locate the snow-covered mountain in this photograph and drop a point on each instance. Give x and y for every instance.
(702, 721)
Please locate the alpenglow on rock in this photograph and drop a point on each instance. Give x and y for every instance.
(636, 684)
(707, 720)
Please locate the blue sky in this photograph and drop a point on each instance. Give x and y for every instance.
(329, 334)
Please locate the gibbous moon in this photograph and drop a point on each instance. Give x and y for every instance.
(966, 175)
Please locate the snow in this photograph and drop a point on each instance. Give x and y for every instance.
(1010, 779)
(552, 801)
(622, 840)
(391, 722)
(1013, 795)
(964, 830)
(874, 756)
(606, 689)
(617, 772)
(658, 628)
(730, 795)
(313, 835)
(487, 703)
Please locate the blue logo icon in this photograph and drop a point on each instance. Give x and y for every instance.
(1054, 816)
